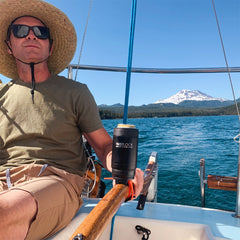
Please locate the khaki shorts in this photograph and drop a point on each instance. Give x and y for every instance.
(56, 192)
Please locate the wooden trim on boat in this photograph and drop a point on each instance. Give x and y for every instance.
(94, 224)
(222, 182)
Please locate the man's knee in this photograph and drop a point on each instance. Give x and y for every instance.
(17, 209)
(17, 205)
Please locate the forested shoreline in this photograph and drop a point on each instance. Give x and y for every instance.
(151, 111)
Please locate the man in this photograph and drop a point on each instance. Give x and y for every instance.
(42, 119)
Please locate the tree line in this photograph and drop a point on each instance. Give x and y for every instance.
(153, 111)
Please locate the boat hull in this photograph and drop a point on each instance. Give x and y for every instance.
(165, 221)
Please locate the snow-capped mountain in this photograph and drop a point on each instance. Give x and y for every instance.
(190, 95)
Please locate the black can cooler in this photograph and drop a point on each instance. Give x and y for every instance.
(124, 153)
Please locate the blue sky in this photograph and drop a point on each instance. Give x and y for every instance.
(168, 34)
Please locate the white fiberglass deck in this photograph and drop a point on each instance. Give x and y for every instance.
(165, 221)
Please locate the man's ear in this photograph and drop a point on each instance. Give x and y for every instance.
(9, 49)
(50, 47)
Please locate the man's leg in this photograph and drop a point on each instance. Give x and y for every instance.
(45, 204)
(17, 209)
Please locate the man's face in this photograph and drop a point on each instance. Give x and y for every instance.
(30, 48)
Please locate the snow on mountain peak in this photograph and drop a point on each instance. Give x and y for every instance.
(192, 95)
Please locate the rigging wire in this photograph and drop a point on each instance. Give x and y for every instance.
(90, 158)
(84, 35)
(226, 62)
(237, 212)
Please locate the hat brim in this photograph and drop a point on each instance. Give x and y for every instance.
(61, 30)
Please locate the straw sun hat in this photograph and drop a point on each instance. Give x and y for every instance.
(61, 31)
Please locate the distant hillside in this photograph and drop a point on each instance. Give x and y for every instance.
(165, 110)
(185, 98)
(230, 110)
(184, 103)
(205, 103)
(109, 106)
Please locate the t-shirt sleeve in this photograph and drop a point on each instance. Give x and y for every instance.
(88, 118)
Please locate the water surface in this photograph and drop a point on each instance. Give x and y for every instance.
(181, 142)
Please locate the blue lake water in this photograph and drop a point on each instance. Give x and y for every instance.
(181, 142)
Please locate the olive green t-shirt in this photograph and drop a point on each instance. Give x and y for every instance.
(48, 130)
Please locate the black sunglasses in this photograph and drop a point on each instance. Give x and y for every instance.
(21, 31)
